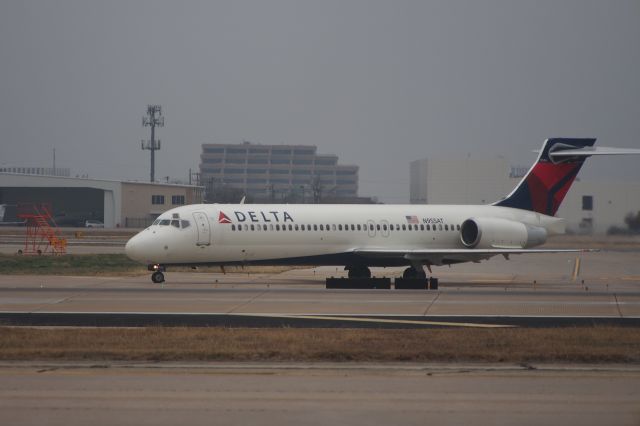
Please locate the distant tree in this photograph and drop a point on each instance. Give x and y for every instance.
(633, 222)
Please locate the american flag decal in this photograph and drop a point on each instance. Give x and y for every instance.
(412, 219)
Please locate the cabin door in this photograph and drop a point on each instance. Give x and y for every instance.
(371, 228)
(384, 228)
(204, 229)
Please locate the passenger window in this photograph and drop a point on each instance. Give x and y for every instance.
(296, 227)
(185, 224)
(370, 227)
(404, 227)
(378, 227)
(277, 227)
(271, 227)
(252, 228)
(446, 227)
(233, 227)
(322, 227)
(291, 227)
(421, 227)
(359, 227)
(246, 227)
(440, 227)
(302, 227)
(384, 227)
(340, 227)
(333, 227)
(458, 226)
(353, 227)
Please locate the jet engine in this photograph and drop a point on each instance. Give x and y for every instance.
(490, 233)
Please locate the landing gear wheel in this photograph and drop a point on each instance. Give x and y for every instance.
(433, 283)
(359, 272)
(157, 277)
(412, 273)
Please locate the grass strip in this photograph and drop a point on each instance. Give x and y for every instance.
(80, 264)
(106, 265)
(576, 345)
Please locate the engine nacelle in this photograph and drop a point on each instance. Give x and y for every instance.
(489, 233)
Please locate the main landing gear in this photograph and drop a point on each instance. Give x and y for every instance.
(157, 277)
(359, 276)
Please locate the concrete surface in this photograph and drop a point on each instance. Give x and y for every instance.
(318, 395)
(611, 288)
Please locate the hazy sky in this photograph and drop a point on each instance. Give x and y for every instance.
(379, 83)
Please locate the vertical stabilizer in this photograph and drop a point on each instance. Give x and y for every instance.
(548, 181)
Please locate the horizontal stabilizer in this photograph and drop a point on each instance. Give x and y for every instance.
(588, 151)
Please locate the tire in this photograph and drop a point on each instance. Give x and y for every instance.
(157, 277)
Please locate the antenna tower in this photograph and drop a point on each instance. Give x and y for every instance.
(153, 119)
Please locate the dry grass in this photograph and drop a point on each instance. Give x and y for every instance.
(587, 345)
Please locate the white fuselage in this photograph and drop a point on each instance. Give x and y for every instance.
(312, 233)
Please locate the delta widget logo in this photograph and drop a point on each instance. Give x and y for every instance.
(223, 218)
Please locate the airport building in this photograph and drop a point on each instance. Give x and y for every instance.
(275, 173)
(74, 200)
(589, 207)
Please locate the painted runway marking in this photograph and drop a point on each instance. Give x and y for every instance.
(389, 321)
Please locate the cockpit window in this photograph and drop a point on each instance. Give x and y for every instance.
(165, 222)
(185, 224)
(157, 221)
(175, 223)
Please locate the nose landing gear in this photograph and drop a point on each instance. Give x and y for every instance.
(157, 277)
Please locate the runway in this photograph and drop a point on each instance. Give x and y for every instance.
(526, 291)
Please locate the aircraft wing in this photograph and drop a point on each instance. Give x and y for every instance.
(443, 256)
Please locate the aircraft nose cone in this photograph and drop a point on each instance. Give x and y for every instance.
(133, 249)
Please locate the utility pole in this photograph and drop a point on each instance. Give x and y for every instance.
(153, 119)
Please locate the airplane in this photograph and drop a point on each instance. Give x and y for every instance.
(364, 236)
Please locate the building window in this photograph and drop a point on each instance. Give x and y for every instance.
(213, 150)
(587, 202)
(177, 200)
(157, 199)
(236, 151)
(212, 160)
(280, 161)
(233, 171)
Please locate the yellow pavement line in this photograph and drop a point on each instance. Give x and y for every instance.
(576, 269)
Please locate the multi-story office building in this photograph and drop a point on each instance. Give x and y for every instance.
(275, 173)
